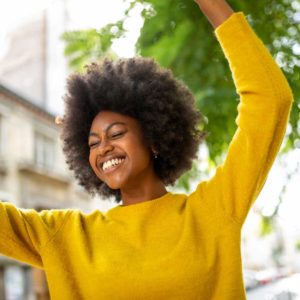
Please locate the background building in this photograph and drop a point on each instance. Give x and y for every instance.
(33, 63)
(33, 174)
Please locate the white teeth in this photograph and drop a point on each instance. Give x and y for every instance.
(111, 163)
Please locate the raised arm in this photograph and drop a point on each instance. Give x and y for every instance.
(263, 112)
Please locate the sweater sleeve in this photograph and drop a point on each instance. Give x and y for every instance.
(263, 112)
(24, 232)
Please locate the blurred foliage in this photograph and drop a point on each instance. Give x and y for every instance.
(84, 46)
(184, 181)
(179, 37)
(278, 250)
(266, 226)
(298, 245)
(268, 223)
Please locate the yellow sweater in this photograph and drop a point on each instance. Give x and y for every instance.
(177, 246)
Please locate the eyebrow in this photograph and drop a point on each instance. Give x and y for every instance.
(107, 128)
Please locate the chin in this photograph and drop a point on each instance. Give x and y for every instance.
(116, 182)
(114, 185)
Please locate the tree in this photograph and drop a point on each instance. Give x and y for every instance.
(177, 35)
(83, 46)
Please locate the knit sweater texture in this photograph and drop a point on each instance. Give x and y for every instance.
(177, 246)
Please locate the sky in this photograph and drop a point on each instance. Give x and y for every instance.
(85, 14)
(97, 13)
(15, 12)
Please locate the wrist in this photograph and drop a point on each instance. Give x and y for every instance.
(216, 11)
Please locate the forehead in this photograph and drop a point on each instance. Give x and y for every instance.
(106, 118)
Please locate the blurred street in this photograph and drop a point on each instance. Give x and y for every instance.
(283, 289)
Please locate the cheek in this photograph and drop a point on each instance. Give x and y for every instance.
(142, 158)
(92, 160)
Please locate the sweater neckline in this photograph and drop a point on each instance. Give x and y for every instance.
(141, 205)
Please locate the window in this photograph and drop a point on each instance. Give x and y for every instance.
(44, 150)
(14, 281)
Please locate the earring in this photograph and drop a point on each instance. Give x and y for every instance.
(155, 153)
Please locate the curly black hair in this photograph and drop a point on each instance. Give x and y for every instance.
(139, 88)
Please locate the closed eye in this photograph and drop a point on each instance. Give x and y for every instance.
(112, 136)
(116, 135)
(93, 144)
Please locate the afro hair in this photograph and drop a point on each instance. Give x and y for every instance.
(139, 88)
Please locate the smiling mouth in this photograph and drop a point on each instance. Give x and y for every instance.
(112, 164)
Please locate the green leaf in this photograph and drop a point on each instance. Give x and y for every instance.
(297, 246)
(266, 226)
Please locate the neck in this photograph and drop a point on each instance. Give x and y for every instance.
(143, 193)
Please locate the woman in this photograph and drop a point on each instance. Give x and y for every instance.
(129, 130)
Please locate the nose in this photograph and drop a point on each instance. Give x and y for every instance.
(104, 148)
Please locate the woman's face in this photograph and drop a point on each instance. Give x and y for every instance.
(119, 154)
